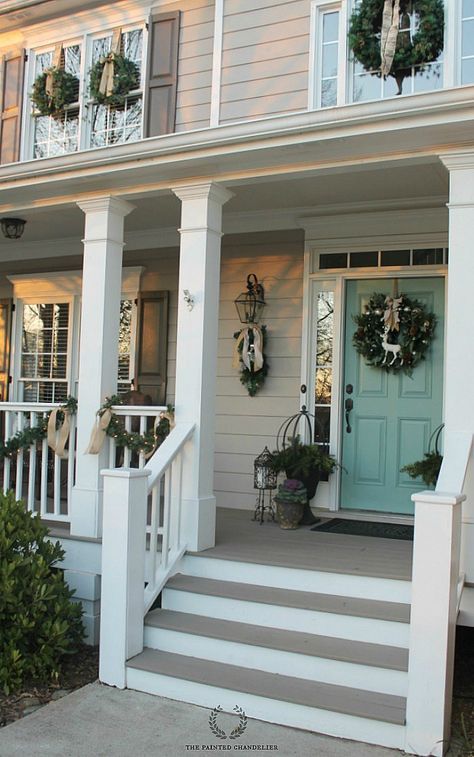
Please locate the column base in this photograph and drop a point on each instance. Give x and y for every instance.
(86, 512)
(198, 519)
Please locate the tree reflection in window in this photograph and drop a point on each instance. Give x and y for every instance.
(324, 365)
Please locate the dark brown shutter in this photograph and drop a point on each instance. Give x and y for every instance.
(152, 345)
(162, 74)
(5, 329)
(11, 102)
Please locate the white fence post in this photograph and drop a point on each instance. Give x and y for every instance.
(123, 571)
(436, 552)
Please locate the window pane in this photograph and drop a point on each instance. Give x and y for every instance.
(322, 419)
(428, 79)
(468, 37)
(395, 257)
(366, 87)
(328, 93)
(467, 71)
(363, 259)
(44, 351)
(428, 257)
(332, 260)
(331, 26)
(329, 67)
(325, 326)
(125, 341)
(468, 8)
(323, 386)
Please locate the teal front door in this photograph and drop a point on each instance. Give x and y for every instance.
(393, 415)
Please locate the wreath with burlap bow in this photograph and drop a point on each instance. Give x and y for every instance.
(381, 41)
(250, 358)
(112, 79)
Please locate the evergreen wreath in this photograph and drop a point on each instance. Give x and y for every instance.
(253, 380)
(65, 90)
(414, 335)
(135, 441)
(23, 440)
(126, 78)
(422, 48)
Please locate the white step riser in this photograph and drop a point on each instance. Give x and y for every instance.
(288, 618)
(341, 584)
(270, 710)
(275, 661)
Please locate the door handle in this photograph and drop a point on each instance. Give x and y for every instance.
(349, 404)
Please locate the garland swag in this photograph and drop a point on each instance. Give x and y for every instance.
(135, 441)
(126, 77)
(419, 49)
(64, 90)
(244, 351)
(23, 440)
(394, 333)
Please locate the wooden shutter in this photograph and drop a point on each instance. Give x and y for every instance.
(11, 102)
(152, 345)
(162, 74)
(5, 329)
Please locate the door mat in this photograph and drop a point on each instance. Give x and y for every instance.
(366, 528)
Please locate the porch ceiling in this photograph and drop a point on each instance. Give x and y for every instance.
(257, 205)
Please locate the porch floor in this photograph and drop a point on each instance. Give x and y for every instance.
(240, 538)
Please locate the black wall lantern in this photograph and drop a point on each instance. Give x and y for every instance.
(250, 304)
(12, 228)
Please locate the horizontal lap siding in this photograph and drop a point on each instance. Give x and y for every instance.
(244, 424)
(196, 39)
(265, 59)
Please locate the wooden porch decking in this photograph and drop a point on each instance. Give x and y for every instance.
(240, 538)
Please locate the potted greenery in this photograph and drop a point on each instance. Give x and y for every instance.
(290, 501)
(306, 463)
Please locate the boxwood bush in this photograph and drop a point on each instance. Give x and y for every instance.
(39, 624)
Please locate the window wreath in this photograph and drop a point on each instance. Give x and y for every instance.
(394, 333)
(250, 358)
(381, 40)
(53, 90)
(112, 78)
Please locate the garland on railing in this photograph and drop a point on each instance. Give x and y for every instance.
(110, 424)
(23, 440)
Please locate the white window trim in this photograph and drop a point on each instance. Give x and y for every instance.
(318, 8)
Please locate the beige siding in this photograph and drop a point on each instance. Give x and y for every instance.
(246, 424)
(196, 39)
(265, 59)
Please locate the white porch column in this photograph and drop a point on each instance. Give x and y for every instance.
(196, 360)
(459, 407)
(101, 290)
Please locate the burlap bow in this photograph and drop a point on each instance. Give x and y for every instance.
(99, 432)
(252, 355)
(391, 316)
(106, 86)
(57, 438)
(49, 83)
(388, 40)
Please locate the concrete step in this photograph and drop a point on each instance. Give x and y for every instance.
(374, 667)
(335, 710)
(364, 620)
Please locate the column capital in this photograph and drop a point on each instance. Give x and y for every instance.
(106, 203)
(207, 190)
(459, 161)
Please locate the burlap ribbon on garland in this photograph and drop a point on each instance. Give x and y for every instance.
(388, 39)
(49, 83)
(99, 432)
(57, 438)
(251, 358)
(106, 86)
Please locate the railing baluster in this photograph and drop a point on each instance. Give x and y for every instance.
(155, 514)
(126, 450)
(166, 516)
(7, 461)
(56, 485)
(143, 425)
(44, 478)
(112, 452)
(19, 459)
(32, 469)
(71, 461)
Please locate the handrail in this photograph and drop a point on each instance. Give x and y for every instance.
(148, 410)
(168, 451)
(457, 450)
(29, 406)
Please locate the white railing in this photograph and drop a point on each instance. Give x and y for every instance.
(142, 543)
(37, 475)
(436, 586)
(139, 419)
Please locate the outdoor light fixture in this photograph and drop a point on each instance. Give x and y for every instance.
(250, 304)
(265, 480)
(12, 228)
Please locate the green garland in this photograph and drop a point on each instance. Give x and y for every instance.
(133, 440)
(414, 337)
(253, 380)
(34, 434)
(126, 78)
(65, 92)
(427, 469)
(424, 47)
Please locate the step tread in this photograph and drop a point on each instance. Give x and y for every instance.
(357, 702)
(307, 600)
(344, 650)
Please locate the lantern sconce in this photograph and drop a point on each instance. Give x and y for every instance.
(12, 228)
(250, 304)
(188, 298)
(265, 480)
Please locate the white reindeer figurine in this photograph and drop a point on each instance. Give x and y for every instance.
(392, 348)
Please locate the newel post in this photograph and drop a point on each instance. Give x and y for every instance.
(123, 571)
(434, 607)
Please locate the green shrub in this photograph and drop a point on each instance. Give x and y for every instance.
(39, 623)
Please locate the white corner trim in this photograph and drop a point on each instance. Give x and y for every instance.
(62, 283)
(217, 63)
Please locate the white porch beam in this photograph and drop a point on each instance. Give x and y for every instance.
(100, 311)
(458, 406)
(196, 359)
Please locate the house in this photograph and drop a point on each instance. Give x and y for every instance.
(247, 140)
